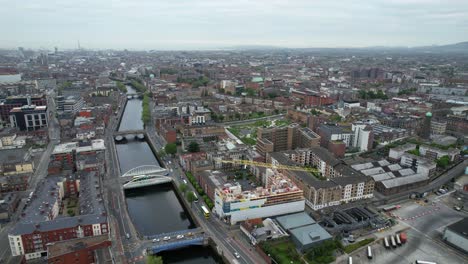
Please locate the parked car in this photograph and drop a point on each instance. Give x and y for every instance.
(155, 240)
(180, 236)
(166, 238)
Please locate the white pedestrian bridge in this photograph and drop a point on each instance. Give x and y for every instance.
(145, 175)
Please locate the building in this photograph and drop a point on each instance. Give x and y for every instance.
(425, 131)
(457, 235)
(438, 127)
(351, 103)
(71, 104)
(422, 165)
(332, 132)
(304, 231)
(396, 153)
(8, 205)
(16, 161)
(79, 250)
(343, 185)
(29, 117)
(19, 101)
(312, 98)
(434, 153)
(363, 138)
(285, 138)
(42, 221)
(279, 196)
(392, 178)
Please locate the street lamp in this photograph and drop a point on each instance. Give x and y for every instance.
(272, 259)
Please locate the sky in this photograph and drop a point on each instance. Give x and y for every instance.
(208, 24)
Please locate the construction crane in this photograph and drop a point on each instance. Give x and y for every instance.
(269, 165)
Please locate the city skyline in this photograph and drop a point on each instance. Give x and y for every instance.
(208, 24)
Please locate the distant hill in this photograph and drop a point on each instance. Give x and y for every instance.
(461, 47)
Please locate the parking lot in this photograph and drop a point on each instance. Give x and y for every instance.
(418, 247)
(424, 224)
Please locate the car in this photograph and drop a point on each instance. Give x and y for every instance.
(155, 240)
(236, 254)
(127, 235)
(166, 238)
(180, 236)
(189, 234)
(457, 208)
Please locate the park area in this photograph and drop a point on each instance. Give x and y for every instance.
(247, 133)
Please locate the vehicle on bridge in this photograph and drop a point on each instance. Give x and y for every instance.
(206, 212)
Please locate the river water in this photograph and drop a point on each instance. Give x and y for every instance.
(155, 209)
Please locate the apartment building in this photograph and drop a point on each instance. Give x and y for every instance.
(41, 223)
(29, 117)
(285, 138)
(343, 185)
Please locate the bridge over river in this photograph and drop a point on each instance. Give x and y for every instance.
(145, 175)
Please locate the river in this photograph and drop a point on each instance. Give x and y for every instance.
(155, 209)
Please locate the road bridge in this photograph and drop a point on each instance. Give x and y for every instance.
(174, 240)
(129, 132)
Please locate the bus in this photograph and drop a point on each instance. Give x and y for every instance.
(206, 212)
(350, 260)
(369, 252)
(424, 262)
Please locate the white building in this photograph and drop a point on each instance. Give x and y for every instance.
(363, 136)
(280, 197)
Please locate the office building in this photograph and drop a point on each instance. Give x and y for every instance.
(279, 196)
(70, 104)
(29, 117)
(19, 101)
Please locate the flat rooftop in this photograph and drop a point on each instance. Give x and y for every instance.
(295, 220)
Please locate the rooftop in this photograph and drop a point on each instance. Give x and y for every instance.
(460, 227)
(8, 156)
(69, 246)
(310, 234)
(295, 220)
(278, 184)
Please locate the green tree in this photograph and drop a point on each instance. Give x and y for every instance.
(170, 148)
(183, 187)
(251, 92)
(121, 87)
(161, 153)
(151, 259)
(443, 161)
(191, 197)
(193, 147)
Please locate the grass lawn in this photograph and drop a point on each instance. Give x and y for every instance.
(350, 248)
(282, 252)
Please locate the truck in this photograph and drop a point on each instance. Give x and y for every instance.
(403, 237)
(398, 241)
(386, 244)
(392, 239)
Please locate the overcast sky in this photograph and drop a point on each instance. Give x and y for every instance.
(201, 24)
